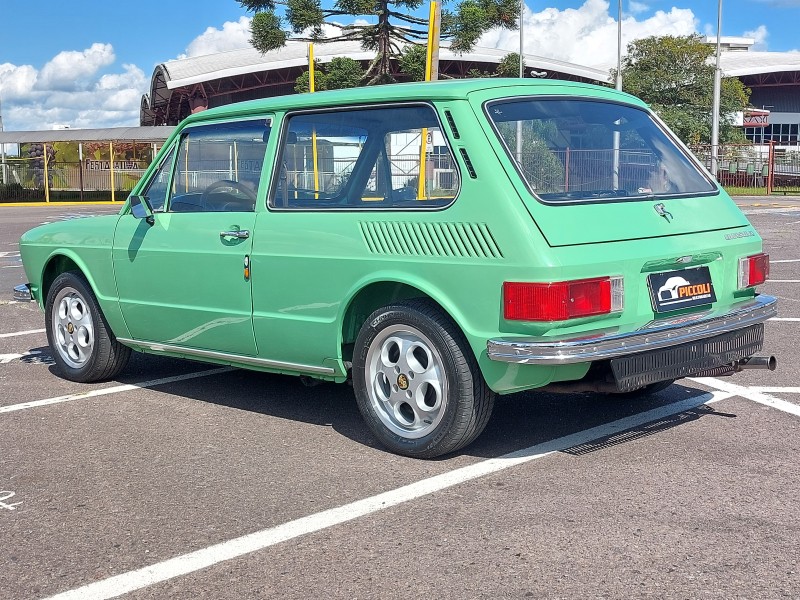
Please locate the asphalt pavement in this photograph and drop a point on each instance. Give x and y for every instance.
(187, 480)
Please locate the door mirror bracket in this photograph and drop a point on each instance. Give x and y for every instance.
(141, 209)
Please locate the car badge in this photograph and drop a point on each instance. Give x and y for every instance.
(402, 381)
(684, 259)
(663, 212)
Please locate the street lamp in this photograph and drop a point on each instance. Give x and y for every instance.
(619, 46)
(717, 92)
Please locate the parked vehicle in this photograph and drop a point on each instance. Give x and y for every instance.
(436, 243)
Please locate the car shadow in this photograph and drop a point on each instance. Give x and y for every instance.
(519, 421)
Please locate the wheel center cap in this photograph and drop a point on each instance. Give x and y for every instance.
(402, 381)
(71, 328)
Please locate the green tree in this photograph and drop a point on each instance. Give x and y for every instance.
(395, 26)
(413, 60)
(342, 72)
(509, 66)
(675, 75)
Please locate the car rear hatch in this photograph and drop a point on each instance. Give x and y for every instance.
(598, 222)
(594, 165)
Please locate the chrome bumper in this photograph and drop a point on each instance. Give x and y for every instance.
(658, 334)
(22, 293)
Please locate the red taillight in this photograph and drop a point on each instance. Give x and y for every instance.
(753, 270)
(561, 300)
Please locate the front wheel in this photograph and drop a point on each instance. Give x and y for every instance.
(417, 382)
(82, 344)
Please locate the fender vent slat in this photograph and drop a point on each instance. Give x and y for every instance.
(465, 240)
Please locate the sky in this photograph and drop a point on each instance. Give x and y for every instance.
(86, 64)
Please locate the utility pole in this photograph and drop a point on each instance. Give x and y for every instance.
(2, 149)
(717, 93)
(521, 76)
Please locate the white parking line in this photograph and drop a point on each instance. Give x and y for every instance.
(7, 358)
(783, 280)
(748, 393)
(790, 260)
(111, 390)
(784, 319)
(16, 333)
(207, 557)
(777, 390)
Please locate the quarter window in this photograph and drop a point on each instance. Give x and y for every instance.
(367, 158)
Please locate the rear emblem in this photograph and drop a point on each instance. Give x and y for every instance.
(662, 211)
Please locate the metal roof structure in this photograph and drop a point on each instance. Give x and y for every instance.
(111, 134)
(180, 87)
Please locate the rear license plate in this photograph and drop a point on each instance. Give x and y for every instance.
(674, 290)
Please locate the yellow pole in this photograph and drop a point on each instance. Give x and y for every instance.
(46, 175)
(314, 130)
(311, 67)
(111, 163)
(433, 43)
(423, 143)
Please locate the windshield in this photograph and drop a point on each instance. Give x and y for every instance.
(570, 150)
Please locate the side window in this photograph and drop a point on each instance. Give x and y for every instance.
(156, 191)
(218, 167)
(371, 158)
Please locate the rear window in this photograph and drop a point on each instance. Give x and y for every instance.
(570, 150)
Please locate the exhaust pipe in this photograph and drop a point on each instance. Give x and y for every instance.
(756, 362)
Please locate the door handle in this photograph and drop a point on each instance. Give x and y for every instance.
(241, 235)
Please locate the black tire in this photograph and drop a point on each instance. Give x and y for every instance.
(447, 406)
(81, 342)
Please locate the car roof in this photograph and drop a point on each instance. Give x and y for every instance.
(458, 89)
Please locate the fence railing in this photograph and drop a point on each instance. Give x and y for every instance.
(22, 180)
(740, 166)
(755, 166)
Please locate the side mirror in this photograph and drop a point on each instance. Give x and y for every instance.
(141, 209)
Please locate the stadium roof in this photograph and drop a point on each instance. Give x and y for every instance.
(197, 69)
(739, 64)
(245, 74)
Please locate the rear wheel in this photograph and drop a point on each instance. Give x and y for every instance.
(83, 347)
(417, 382)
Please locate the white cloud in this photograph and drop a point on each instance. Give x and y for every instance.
(71, 70)
(637, 7)
(587, 35)
(760, 35)
(69, 91)
(16, 82)
(233, 36)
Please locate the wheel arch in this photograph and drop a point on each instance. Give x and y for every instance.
(376, 293)
(57, 264)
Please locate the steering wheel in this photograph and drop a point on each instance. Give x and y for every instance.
(230, 185)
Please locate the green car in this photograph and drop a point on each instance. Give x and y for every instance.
(436, 244)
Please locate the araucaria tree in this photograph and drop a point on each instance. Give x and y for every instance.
(394, 25)
(675, 75)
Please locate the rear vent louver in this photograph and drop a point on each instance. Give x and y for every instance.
(469, 240)
(468, 164)
(452, 124)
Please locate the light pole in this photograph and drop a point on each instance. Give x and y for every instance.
(619, 46)
(521, 76)
(616, 138)
(521, 45)
(717, 92)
